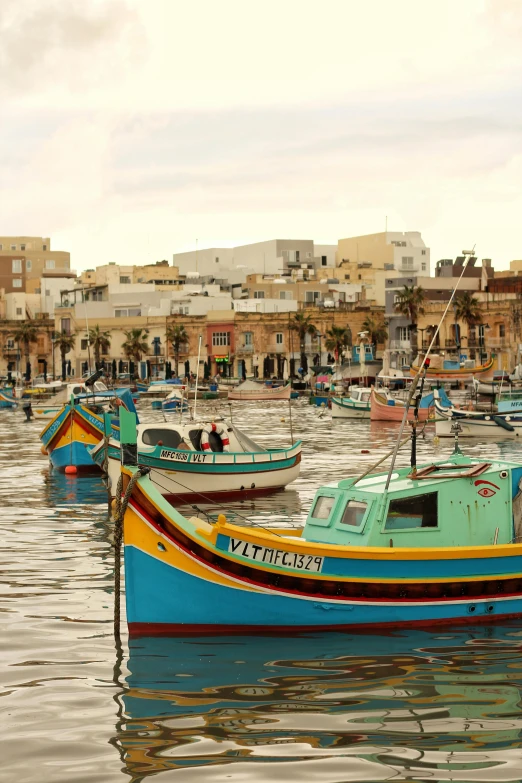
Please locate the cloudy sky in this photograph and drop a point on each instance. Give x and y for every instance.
(129, 128)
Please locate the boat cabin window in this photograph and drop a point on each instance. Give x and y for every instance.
(323, 507)
(365, 396)
(169, 438)
(413, 512)
(78, 390)
(195, 439)
(354, 512)
(215, 441)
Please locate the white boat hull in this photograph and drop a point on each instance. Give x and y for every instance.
(478, 429)
(345, 411)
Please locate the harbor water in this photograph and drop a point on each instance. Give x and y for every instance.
(331, 707)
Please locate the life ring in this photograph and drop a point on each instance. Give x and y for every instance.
(220, 430)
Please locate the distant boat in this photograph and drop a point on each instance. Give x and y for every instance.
(478, 424)
(6, 399)
(250, 390)
(49, 408)
(383, 409)
(441, 373)
(356, 406)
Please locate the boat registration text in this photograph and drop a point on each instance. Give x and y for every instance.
(263, 554)
(182, 456)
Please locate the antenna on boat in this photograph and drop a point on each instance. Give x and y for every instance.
(413, 459)
(400, 441)
(197, 377)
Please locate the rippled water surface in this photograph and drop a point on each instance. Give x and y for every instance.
(409, 705)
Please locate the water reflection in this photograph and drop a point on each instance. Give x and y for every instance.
(408, 705)
(64, 490)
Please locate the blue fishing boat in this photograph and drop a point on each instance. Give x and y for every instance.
(7, 399)
(79, 425)
(430, 545)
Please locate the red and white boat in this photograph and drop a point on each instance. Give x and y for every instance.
(383, 409)
(250, 390)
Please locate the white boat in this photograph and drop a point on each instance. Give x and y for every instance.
(356, 406)
(205, 461)
(160, 388)
(48, 409)
(477, 424)
(250, 390)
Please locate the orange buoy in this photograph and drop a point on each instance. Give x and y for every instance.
(70, 469)
(44, 450)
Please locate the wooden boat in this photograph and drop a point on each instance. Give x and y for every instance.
(6, 398)
(250, 390)
(356, 406)
(435, 546)
(199, 461)
(438, 373)
(498, 425)
(387, 409)
(79, 425)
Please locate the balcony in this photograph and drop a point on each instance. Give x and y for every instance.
(497, 342)
(400, 345)
(11, 353)
(245, 349)
(276, 348)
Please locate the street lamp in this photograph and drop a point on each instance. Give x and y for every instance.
(319, 335)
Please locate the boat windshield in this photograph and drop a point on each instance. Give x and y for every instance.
(246, 443)
(155, 436)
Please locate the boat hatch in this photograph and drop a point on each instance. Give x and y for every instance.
(417, 511)
(442, 471)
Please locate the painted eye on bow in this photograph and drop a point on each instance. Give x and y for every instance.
(486, 492)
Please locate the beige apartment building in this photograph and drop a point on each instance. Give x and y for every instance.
(38, 257)
(160, 273)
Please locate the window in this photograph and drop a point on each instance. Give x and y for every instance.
(297, 255)
(285, 294)
(17, 266)
(323, 507)
(17, 282)
(49, 264)
(403, 333)
(124, 280)
(44, 247)
(501, 330)
(13, 247)
(397, 243)
(66, 325)
(247, 338)
(423, 267)
(412, 512)
(28, 265)
(259, 294)
(323, 260)
(127, 312)
(48, 292)
(312, 296)
(22, 247)
(84, 344)
(423, 252)
(9, 343)
(221, 338)
(19, 311)
(354, 513)
(1, 247)
(407, 262)
(279, 338)
(159, 437)
(217, 259)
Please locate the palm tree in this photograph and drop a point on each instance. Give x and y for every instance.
(467, 309)
(26, 334)
(337, 339)
(136, 344)
(376, 328)
(302, 324)
(177, 335)
(65, 343)
(411, 304)
(101, 342)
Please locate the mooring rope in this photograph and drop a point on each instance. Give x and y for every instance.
(119, 515)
